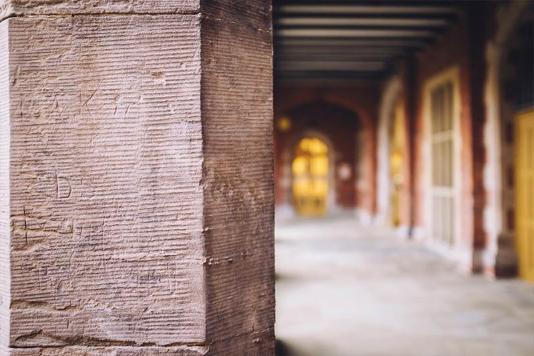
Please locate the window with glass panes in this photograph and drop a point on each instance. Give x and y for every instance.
(442, 151)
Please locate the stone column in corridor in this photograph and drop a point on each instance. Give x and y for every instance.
(136, 203)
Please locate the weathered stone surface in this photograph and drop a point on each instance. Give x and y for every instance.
(69, 7)
(112, 351)
(238, 190)
(139, 219)
(259, 343)
(5, 273)
(106, 168)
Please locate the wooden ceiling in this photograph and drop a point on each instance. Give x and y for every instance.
(348, 41)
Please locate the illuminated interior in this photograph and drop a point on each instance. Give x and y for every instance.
(310, 177)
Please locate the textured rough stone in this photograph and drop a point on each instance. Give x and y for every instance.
(136, 216)
(106, 203)
(70, 7)
(238, 195)
(5, 273)
(111, 351)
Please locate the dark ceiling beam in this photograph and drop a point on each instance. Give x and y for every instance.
(354, 33)
(360, 31)
(449, 17)
(333, 76)
(349, 42)
(342, 77)
(333, 57)
(330, 65)
(353, 53)
(327, 82)
(325, 48)
(359, 21)
(324, 9)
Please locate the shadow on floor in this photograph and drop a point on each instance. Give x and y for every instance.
(281, 349)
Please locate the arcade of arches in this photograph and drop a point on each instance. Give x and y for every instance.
(429, 150)
(430, 163)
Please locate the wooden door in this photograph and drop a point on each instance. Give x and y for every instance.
(525, 193)
(310, 169)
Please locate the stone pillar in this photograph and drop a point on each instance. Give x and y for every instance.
(136, 199)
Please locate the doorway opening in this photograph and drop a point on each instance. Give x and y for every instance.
(310, 177)
(525, 193)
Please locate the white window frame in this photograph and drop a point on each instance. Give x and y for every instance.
(451, 75)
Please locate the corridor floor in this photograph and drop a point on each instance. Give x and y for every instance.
(346, 290)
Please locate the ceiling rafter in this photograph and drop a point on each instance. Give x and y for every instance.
(358, 21)
(344, 39)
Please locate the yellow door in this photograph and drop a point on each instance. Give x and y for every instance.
(396, 163)
(525, 193)
(310, 177)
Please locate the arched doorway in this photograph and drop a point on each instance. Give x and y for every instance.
(310, 178)
(332, 130)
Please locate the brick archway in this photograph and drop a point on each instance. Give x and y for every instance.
(362, 104)
(346, 139)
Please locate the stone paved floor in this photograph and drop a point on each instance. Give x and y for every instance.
(346, 290)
